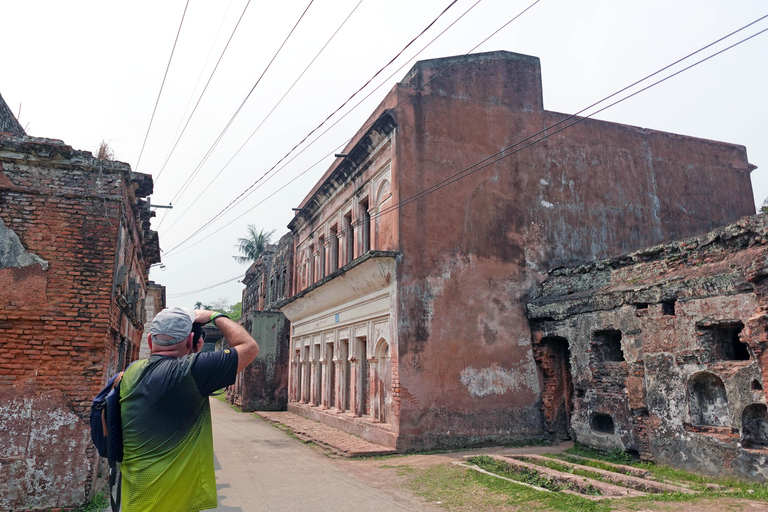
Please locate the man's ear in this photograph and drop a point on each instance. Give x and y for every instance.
(149, 341)
(190, 342)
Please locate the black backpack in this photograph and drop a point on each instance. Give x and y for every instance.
(107, 432)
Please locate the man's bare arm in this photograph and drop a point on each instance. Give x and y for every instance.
(237, 337)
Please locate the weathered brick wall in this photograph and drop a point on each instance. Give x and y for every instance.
(67, 227)
(692, 321)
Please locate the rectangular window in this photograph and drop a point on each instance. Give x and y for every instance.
(365, 220)
(311, 264)
(723, 342)
(606, 346)
(350, 237)
(321, 249)
(334, 248)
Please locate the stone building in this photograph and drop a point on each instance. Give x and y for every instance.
(663, 351)
(75, 247)
(263, 385)
(407, 310)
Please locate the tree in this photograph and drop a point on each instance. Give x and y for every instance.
(234, 312)
(253, 244)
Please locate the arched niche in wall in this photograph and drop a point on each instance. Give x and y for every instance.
(383, 193)
(754, 426)
(383, 382)
(707, 400)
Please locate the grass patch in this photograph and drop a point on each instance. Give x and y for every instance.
(97, 504)
(614, 456)
(591, 463)
(553, 464)
(529, 476)
(734, 488)
(220, 395)
(458, 488)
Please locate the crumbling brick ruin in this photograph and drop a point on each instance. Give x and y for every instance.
(663, 352)
(263, 385)
(75, 247)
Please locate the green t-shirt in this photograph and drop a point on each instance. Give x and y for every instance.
(167, 437)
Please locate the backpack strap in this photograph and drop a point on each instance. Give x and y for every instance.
(104, 410)
(115, 476)
(114, 473)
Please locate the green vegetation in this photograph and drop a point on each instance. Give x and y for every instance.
(234, 311)
(457, 488)
(499, 467)
(97, 504)
(253, 244)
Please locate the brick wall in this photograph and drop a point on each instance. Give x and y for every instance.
(74, 252)
(687, 386)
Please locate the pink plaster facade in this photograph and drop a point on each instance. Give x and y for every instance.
(408, 319)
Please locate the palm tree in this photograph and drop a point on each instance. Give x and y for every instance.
(252, 245)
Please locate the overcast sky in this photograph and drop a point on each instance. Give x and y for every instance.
(87, 71)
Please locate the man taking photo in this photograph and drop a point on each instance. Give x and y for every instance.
(167, 436)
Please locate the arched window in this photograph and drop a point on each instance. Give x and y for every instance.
(707, 401)
(754, 426)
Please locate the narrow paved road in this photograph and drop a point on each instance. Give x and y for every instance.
(260, 468)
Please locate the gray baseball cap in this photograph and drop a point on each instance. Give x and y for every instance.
(174, 322)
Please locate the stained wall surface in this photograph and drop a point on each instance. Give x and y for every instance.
(474, 216)
(75, 247)
(474, 250)
(666, 351)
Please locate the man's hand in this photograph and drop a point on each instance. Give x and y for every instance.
(203, 316)
(237, 337)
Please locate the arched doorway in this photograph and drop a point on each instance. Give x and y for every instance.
(383, 382)
(707, 401)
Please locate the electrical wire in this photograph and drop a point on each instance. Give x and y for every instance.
(474, 168)
(192, 203)
(546, 131)
(500, 154)
(160, 172)
(247, 190)
(176, 295)
(232, 119)
(251, 189)
(167, 67)
(331, 115)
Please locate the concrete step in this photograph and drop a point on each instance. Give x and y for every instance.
(327, 437)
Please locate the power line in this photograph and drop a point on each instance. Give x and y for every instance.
(232, 119)
(269, 114)
(250, 190)
(202, 70)
(546, 131)
(324, 121)
(203, 93)
(474, 168)
(183, 15)
(235, 201)
(176, 295)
